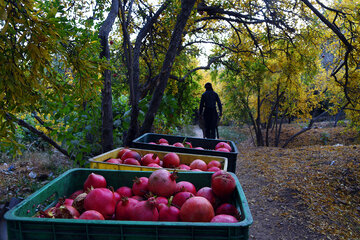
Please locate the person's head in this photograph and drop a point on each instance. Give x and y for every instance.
(208, 86)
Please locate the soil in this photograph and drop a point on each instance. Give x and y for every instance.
(278, 208)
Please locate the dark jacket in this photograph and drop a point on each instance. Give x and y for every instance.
(208, 101)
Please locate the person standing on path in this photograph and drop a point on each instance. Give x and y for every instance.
(208, 111)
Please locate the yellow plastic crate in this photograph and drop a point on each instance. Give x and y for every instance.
(98, 161)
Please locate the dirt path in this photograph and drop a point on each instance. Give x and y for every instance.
(270, 219)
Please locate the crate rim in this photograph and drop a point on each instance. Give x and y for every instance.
(92, 159)
(10, 215)
(189, 137)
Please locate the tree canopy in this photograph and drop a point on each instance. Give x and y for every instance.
(123, 68)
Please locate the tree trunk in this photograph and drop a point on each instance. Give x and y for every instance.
(134, 70)
(258, 131)
(186, 7)
(106, 101)
(309, 126)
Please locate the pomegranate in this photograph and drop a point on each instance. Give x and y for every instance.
(140, 186)
(207, 193)
(131, 161)
(66, 211)
(94, 180)
(145, 211)
(171, 160)
(188, 145)
(222, 150)
(180, 198)
(214, 163)
(196, 170)
(201, 148)
(154, 165)
(131, 154)
(78, 202)
(198, 164)
(117, 196)
(223, 145)
(124, 191)
(124, 207)
(162, 140)
(196, 209)
(150, 158)
(169, 214)
(184, 167)
(122, 151)
(101, 200)
(229, 209)
(213, 169)
(160, 200)
(223, 184)
(92, 215)
(217, 173)
(185, 186)
(224, 218)
(162, 183)
(114, 160)
(68, 201)
(165, 144)
(178, 144)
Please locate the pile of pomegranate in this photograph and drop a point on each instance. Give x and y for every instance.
(158, 197)
(170, 160)
(221, 146)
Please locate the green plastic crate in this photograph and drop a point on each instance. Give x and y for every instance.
(22, 226)
(208, 145)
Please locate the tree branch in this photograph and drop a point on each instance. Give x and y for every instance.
(41, 134)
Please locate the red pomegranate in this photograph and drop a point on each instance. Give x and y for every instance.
(131, 154)
(223, 185)
(222, 150)
(180, 198)
(184, 167)
(92, 215)
(188, 145)
(114, 160)
(223, 218)
(214, 163)
(124, 191)
(124, 208)
(213, 169)
(171, 160)
(178, 144)
(185, 186)
(145, 211)
(140, 186)
(196, 209)
(229, 209)
(162, 183)
(223, 145)
(122, 151)
(131, 161)
(162, 140)
(207, 193)
(101, 200)
(150, 158)
(94, 180)
(198, 164)
(169, 214)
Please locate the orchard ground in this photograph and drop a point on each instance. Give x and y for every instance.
(309, 190)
